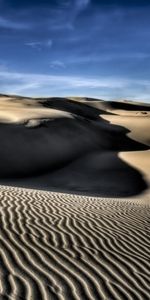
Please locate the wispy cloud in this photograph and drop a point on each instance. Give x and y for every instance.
(9, 24)
(53, 85)
(81, 4)
(57, 64)
(18, 82)
(106, 57)
(39, 44)
(3, 66)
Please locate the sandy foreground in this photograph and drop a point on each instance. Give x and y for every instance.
(63, 246)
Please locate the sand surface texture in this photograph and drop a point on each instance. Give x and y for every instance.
(61, 246)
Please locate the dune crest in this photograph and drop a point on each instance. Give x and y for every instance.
(25, 110)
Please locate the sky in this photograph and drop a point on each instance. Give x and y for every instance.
(92, 48)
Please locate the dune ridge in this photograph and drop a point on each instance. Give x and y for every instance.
(63, 246)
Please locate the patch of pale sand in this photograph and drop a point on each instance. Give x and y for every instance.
(8, 101)
(138, 159)
(139, 126)
(132, 113)
(20, 111)
(132, 102)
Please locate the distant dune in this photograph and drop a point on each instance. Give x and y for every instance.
(77, 145)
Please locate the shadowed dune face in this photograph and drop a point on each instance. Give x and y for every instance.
(67, 144)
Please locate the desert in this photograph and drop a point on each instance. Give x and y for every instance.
(74, 198)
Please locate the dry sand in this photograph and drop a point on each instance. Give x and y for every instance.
(61, 246)
(24, 111)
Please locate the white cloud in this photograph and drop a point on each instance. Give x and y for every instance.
(3, 66)
(106, 57)
(81, 4)
(40, 44)
(5, 23)
(62, 26)
(57, 64)
(20, 81)
(53, 85)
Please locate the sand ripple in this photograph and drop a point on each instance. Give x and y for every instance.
(59, 246)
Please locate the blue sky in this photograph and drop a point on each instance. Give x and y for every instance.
(75, 47)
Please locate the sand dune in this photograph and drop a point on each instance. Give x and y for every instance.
(73, 144)
(61, 246)
(24, 111)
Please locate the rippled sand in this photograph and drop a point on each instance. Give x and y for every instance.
(63, 246)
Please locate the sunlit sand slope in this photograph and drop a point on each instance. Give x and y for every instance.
(61, 246)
